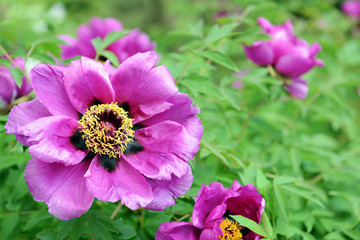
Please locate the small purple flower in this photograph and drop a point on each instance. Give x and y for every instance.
(351, 8)
(289, 56)
(9, 90)
(211, 214)
(297, 88)
(115, 134)
(123, 48)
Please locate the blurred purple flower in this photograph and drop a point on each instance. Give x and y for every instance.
(351, 8)
(9, 90)
(297, 88)
(238, 84)
(289, 56)
(115, 134)
(211, 215)
(123, 48)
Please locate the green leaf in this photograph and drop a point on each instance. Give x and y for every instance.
(64, 229)
(97, 43)
(5, 62)
(250, 224)
(304, 193)
(196, 84)
(17, 74)
(113, 37)
(44, 58)
(216, 33)
(126, 232)
(46, 234)
(220, 58)
(215, 152)
(281, 201)
(8, 225)
(78, 228)
(111, 56)
(13, 159)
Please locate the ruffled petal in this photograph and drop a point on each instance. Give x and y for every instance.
(47, 82)
(177, 231)
(49, 138)
(143, 86)
(125, 183)
(85, 82)
(61, 187)
(182, 112)
(260, 53)
(23, 114)
(248, 203)
(209, 197)
(167, 148)
(165, 191)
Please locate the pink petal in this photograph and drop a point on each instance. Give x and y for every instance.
(260, 53)
(8, 89)
(23, 114)
(62, 187)
(294, 65)
(49, 138)
(298, 88)
(85, 81)
(209, 234)
(167, 148)
(209, 197)
(101, 27)
(177, 231)
(47, 82)
(125, 183)
(165, 191)
(248, 203)
(138, 83)
(182, 112)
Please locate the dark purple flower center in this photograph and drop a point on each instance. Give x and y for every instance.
(107, 130)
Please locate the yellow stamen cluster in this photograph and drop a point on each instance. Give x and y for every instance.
(230, 230)
(101, 135)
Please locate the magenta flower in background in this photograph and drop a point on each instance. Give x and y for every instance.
(211, 214)
(123, 48)
(9, 90)
(289, 56)
(351, 8)
(115, 134)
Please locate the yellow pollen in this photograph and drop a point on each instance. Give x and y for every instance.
(230, 230)
(106, 129)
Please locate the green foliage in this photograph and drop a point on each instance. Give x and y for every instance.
(302, 156)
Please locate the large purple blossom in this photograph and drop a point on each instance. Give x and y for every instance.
(351, 8)
(123, 48)
(9, 90)
(211, 215)
(289, 56)
(115, 134)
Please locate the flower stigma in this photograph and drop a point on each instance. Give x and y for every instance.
(107, 130)
(230, 230)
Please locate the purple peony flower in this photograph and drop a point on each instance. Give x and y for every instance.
(211, 215)
(290, 56)
(297, 88)
(9, 90)
(123, 48)
(115, 134)
(351, 8)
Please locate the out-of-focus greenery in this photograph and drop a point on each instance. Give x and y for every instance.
(303, 156)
